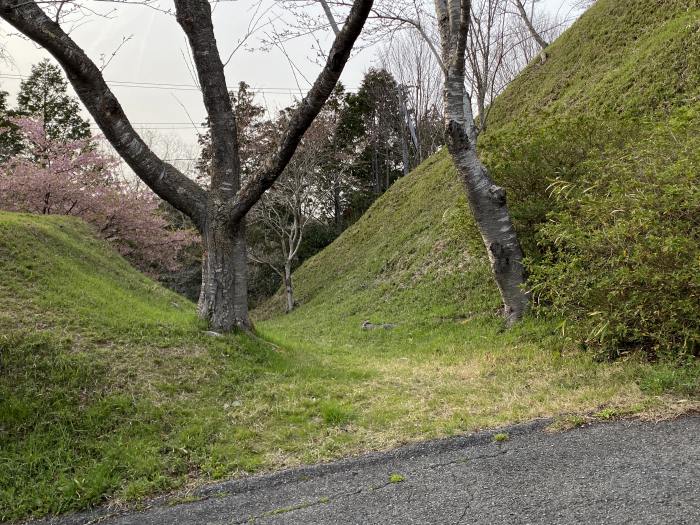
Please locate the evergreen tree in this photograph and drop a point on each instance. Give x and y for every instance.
(10, 140)
(252, 137)
(45, 95)
(336, 183)
(372, 126)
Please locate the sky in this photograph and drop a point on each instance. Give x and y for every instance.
(152, 78)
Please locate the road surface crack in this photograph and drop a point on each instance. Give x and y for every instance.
(461, 461)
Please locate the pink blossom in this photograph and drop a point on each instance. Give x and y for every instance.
(74, 178)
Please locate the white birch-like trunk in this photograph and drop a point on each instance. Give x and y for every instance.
(288, 289)
(486, 199)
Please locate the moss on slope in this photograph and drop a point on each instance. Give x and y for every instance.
(416, 253)
(624, 57)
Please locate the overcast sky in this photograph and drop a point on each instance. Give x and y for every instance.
(155, 54)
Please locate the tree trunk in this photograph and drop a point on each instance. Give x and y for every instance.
(223, 299)
(404, 152)
(288, 286)
(488, 205)
(375, 170)
(336, 205)
(541, 42)
(486, 199)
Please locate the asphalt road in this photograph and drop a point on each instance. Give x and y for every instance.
(620, 472)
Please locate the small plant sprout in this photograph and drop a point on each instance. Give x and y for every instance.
(566, 423)
(501, 437)
(607, 414)
(396, 478)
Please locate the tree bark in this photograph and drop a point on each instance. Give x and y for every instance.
(336, 204)
(223, 298)
(289, 291)
(486, 199)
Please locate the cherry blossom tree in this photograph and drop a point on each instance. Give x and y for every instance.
(72, 177)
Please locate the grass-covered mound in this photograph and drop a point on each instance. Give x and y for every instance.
(598, 148)
(107, 384)
(111, 391)
(622, 57)
(612, 115)
(411, 256)
(620, 251)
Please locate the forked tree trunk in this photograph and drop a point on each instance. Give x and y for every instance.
(289, 291)
(486, 199)
(223, 300)
(223, 296)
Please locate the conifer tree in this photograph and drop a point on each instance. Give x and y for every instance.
(10, 142)
(44, 95)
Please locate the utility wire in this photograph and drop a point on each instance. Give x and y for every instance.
(271, 90)
(172, 126)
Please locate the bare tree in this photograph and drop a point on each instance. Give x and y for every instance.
(486, 52)
(486, 199)
(409, 59)
(528, 21)
(397, 18)
(282, 214)
(219, 211)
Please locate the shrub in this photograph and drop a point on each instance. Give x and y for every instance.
(527, 157)
(620, 253)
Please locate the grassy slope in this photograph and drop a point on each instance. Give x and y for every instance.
(409, 254)
(108, 386)
(109, 389)
(631, 57)
(414, 259)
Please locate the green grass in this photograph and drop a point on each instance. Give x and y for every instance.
(622, 57)
(569, 422)
(111, 391)
(396, 478)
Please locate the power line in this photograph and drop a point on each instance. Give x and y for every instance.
(267, 90)
(172, 126)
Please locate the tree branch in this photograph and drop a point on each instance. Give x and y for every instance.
(306, 112)
(194, 16)
(530, 27)
(329, 16)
